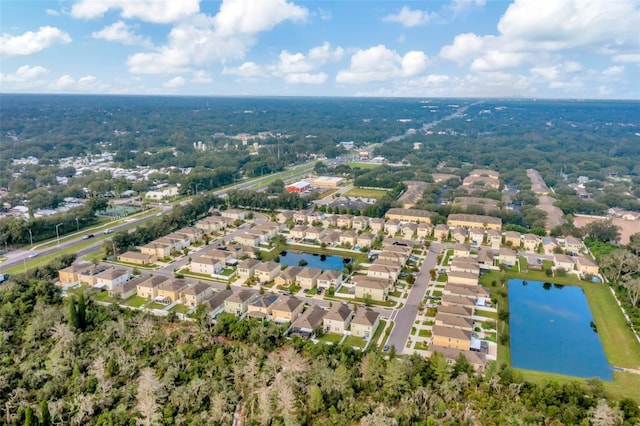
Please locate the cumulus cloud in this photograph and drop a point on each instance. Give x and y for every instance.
(122, 33)
(32, 42)
(530, 28)
(175, 82)
(379, 63)
(627, 58)
(246, 70)
(306, 78)
(254, 16)
(52, 12)
(315, 58)
(458, 6)
(24, 74)
(613, 72)
(67, 83)
(201, 76)
(157, 11)
(411, 18)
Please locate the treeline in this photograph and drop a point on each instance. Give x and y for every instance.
(126, 367)
(383, 177)
(16, 230)
(262, 201)
(179, 217)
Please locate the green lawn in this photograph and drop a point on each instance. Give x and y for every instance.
(363, 165)
(354, 341)
(424, 333)
(135, 301)
(182, 309)
(331, 338)
(378, 332)
(366, 193)
(154, 305)
(487, 314)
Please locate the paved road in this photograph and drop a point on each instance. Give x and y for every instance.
(405, 317)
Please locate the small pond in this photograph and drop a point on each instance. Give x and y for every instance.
(319, 261)
(552, 330)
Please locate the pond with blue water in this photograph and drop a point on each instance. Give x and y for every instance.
(320, 261)
(552, 330)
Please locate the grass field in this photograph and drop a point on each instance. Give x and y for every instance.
(331, 338)
(354, 341)
(367, 193)
(378, 332)
(363, 165)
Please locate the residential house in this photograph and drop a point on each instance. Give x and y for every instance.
(365, 239)
(573, 245)
(451, 299)
(286, 309)
(476, 236)
(329, 278)
(250, 239)
(377, 224)
(465, 264)
(398, 258)
(485, 257)
(409, 215)
(348, 238)
(337, 319)
(300, 216)
(330, 221)
(159, 250)
(376, 288)
(474, 221)
(247, 267)
(233, 214)
(455, 321)
(148, 288)
(586, 265)
(288, 276)
(450, 337)
(392, 226)
(308, 277)
(459, 310)
(126, 290)
(222, 256)
(530, 242)
(284, 216)
(464, 278)
(215, 304)
(112, 278)
(194, 234)
(298, 232)
(315, 218)
(194, 294)
(206, 265)
(69, 275)
(494, 238)
(409, 229)
(237, 303)
(137, 258)
(563, 261)
(261, 307)
(310, 320)
(331, 238)
(345, 221)
(550, 245)
(314, 234)
(360, 223)
(170, 291)
(507, 256)
(89, 275)
(441, 232)
(267, 271)
(512, 239)
(271, 229)
(459, 235)
(471, 291)
(383, 271)
(364, 323)
(461, 250)
(477, 360)
(424, 230)
(212, 224)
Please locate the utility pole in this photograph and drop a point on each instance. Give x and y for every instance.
(58, 233)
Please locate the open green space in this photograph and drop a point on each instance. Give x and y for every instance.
(378, 332)
(181, 309)
(154, 305)
(366, 193)
(331, 338)
(363, 165)
(358, 342)
(424, 333)
(135, 301)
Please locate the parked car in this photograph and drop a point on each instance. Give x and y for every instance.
(108, 231)
(32, 255)
(386, 348)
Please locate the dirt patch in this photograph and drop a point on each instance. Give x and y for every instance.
(627, 227)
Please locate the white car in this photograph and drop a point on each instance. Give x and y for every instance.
(108, 231)
(32, 255)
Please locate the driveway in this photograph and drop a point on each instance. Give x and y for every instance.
(405, 317)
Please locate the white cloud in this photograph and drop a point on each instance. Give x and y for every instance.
(254, 16)
(458, 6)
(32, 42)
(157, 11)
(175, 82)
(411, 18)
(627, 58)
(246, 70)
(52, 12)
(379, 63)
(201, 76)
(464, 46)
(66, 83)
(306, 78)
(613, 72)
(315, 58)
(122, 33)
(24, 74)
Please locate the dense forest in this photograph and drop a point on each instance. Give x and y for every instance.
(72, 361)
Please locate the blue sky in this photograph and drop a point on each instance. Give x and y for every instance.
(457, 48)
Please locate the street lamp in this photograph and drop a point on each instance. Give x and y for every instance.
(77, 224)
(57, 232)
(30, 236)
(262, 170)
(197, 185)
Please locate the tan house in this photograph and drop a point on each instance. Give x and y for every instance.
(237, 303)
(463, 278)
(159, 250)
(248, 239)
(298, 232)
(465, 264)
(261, 307)
(450, 337)
(348, 238)
(471, 291)
(148, 288)
(451, 299)
(308, 277)
(360, 223)
(233, 214)
(376, 224)
(112, 278)
(458, 310)
(288, 276)
(454, 321)
(386, 272)
(476, 236)
(441, 232)
(337, 319)
(530, 242)
(170, 291)
(477, 360)
(474, 221)
(364, 323)
(563, 261)
(286, 309)
(494, 238)
(284, 216)
(376, 288)
(365, 240)
(330, 221)
(331, 238)
(392, 226)
(267, 271)
(247, 267)
(137, 258)
(587, 265)
(409, 229)
(212, 224)
(459, 235)
(409, 215)
(310, 320)
(512, 239)
(573, 245)
(344, 221)
(194, 234)
(506, 256)
(329, 278)
(206, 265)
(126, 290)
(424, 230)
(195, 294)
(70, 274)
(300, 217)
(461, 250)
(314, 234)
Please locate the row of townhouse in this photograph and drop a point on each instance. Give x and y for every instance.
(260, 234)
(214, 224)
(331, 237)
(173, 242)
(213, 261)
(99, 276)
(170, 290)
(305, 277)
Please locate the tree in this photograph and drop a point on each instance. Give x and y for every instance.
(81, 312)
(73, 313)
(29, 417)
(45, 416)
(603, 230)
(367, 299)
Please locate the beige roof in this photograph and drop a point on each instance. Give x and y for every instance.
(454, 320)
(135, 255)
(153, 281)
(585, 261)
(466, 290)
(172, 285)
(241, 297)
(290, 273)
(457, 300)
(112, 274)
(369, 282)
(452, 275)
(409, 212)
(195, 289)
(475, 218)
(77, 267)
(287, 304)
(248, 263)
(218, 299)
(309, 273)
(339, 312)
(365, 316)
(474, 358)
(310, 318)
(454, 333)
(455, 310)
(206, 260)
(330, 274)
(267, 267)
